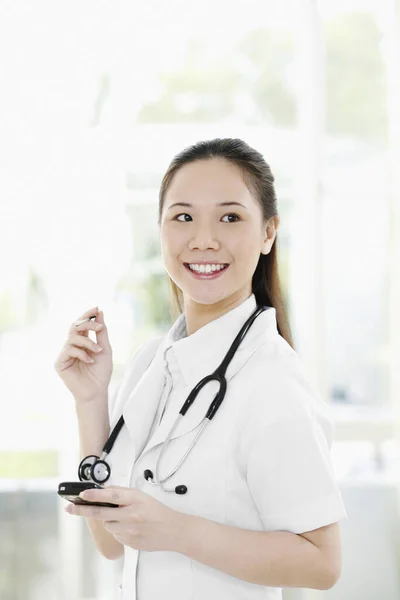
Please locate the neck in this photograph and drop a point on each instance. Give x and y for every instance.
(198, 315)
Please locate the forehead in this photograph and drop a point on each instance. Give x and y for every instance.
(212, 179)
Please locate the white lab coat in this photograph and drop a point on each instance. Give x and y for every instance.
(262, 463)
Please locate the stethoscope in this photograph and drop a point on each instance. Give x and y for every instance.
(95, 468)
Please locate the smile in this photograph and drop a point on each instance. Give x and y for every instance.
(206, 274)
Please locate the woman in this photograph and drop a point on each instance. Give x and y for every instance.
(261, 507)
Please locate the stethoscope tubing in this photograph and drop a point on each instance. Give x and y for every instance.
(217, 375)
(159, 481)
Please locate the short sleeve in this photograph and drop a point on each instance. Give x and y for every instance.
(290, 474)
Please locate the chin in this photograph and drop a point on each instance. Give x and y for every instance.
(206, 298)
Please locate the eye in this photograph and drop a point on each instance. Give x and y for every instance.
(233, 215)
(227, 215)
(180, 215)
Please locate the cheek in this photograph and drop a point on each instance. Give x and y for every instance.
(171, 251)
(246, 254)
(243, 247)
(169, 242)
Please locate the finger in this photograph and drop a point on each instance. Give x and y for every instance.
(102, 335)
(116, 495)
(83, 328)
(114, 526)
(118, 529)
(100, 513)
(83, 342)
(92, 312)
(72, 352)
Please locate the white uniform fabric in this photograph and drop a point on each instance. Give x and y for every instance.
(262, 463)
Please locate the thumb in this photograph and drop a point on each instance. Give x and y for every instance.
(102, 335)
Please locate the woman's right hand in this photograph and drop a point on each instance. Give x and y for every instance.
(86, 380)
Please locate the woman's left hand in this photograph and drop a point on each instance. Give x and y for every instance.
(140, 521)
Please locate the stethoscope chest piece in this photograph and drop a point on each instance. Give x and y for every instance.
(85, 467)
(92, 468)
(100, 471)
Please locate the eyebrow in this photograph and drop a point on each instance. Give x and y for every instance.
(219, 204)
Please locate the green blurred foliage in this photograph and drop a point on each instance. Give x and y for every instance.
(197, 93)
(33, 463)
(154, 301)
(20, 308)
(267, 54)
(258, 72)
(355, 77)
(8, 315)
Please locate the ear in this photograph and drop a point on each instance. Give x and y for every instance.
(271, 229)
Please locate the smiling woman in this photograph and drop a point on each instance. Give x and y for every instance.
(219, 407)
(222, 266)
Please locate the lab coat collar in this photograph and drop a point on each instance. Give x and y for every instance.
(202, 352)
(197, 356)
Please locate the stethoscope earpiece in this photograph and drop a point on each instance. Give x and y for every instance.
(148, 474)
(179, 489)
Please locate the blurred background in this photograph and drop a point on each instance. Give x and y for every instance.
(96, 97)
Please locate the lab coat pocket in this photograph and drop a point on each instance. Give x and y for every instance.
(204, 474)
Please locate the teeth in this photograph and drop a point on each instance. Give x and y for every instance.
(206, 268)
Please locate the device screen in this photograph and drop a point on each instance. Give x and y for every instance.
(70, 490)
(77, 500)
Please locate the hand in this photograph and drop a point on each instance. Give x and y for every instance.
(140, 521)
(84, 378)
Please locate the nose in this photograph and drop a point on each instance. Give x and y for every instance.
(203, 238)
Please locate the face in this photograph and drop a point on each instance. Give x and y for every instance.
(195, 228)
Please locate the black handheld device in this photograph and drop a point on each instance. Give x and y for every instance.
(70, 490)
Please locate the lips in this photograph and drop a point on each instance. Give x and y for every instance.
(210, 275)
(205, 264)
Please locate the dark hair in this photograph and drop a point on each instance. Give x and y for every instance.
(259, 179)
